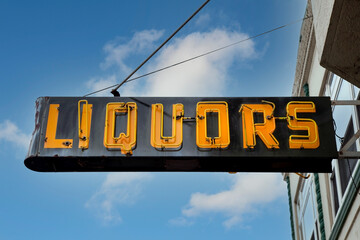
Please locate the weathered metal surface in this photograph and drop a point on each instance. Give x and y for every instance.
(336, 29)
(188, 157)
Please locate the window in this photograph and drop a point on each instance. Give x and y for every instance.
(307, 212)
(347, 122)
(347, 166)
(334, 192)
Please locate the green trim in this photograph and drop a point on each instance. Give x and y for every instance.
(290, 209)
(317, 187)
(346, 205)
(319, 206)
(306, 90)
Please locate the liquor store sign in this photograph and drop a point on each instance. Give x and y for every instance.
(182, 134)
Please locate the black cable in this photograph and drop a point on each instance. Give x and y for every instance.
(115, 92)
(201, 55)
(340, 138)
(100, 90)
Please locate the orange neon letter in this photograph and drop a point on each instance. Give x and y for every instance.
(84, 123)
(50, 137)
(125, 142)
(223, 138)
(264, 130)
(158, 140)
(309, 141)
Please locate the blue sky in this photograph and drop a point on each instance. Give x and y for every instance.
(68, 48)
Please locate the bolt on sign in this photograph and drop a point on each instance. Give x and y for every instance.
(291, 134)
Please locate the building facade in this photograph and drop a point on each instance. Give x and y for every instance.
(327, 205)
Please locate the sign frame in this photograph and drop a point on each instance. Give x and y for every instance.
(80, 126)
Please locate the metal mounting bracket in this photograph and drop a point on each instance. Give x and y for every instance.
(345, 102)
(343, 153)
(349, 154)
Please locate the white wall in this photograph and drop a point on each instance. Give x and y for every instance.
(316, 76)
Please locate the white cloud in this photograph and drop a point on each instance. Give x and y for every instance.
(249, 192)
(96, 84)
(205, 76)
(203, 19)
(9, 132)
(117, 51)
(181, 221)
(117, 189)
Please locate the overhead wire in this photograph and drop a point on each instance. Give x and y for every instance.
(201, 55)
(115, 92)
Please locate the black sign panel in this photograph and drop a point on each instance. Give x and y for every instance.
(182, 134)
